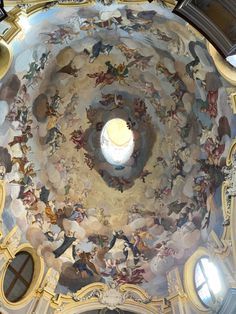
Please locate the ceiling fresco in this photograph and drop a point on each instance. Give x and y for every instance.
(92, 220)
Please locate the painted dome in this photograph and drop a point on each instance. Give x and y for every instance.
(115, 130)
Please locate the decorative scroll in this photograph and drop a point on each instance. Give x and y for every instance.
(230, 187)
(112, 296)
(12, 240)
(72, 2)
(174, 282)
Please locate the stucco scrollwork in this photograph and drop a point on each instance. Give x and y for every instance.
(12, 240)
(160, 309)
(230, 190)
(174, 283)
(213, 249)
(24, 6)
(112, 296)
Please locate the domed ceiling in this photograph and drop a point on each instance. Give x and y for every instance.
(89, 216)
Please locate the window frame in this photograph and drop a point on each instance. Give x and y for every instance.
(189, 280)
(197, 289)
(39, 272)
(18, 276)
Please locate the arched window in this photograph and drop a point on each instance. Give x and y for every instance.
(18, 276)
(207, 281)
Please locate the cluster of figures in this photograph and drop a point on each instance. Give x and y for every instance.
(33, 75)
(85, 262)
(138, 120)
(182, 126)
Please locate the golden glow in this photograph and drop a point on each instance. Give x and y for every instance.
(5, 58)
(118, 132)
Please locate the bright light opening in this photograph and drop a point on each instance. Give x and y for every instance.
(212, 276)
(117, 142)
(24, 23)
(232, 60)
(207, 282)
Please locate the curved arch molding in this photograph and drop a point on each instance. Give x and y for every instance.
(224, 68)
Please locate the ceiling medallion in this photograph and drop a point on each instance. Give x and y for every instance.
(3, 13)
(119, 141)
